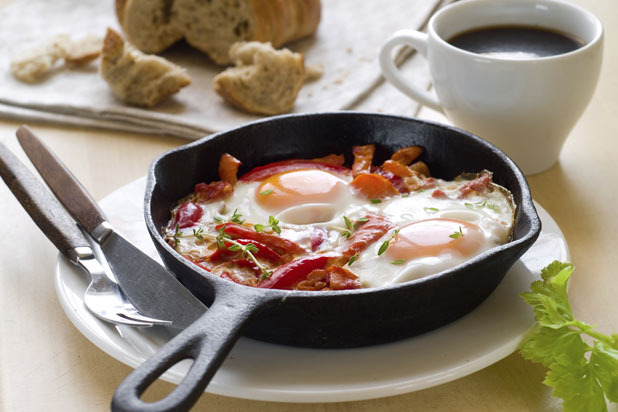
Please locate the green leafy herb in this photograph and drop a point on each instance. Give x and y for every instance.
(177, 235)
(236, 217)
(266, 274)
(352, 259)
(386, 243)
(266, 192)
(376, 201)
(481, 204)
(361, 220)
(430, 209)
(346, 234)
(348, 224)
(398, 262)
(199, 234)
(457, 235)
(405, 194)
(421, 190)
(222, 237)
(582, 374)
(274, 225)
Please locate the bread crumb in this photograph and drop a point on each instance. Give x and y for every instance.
(35, 64)
(84, 51)
(313, 72)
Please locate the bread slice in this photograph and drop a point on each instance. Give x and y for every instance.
(137, 78)
(212, 26)
(264, 80)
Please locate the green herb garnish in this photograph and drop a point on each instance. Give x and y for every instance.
(352, 259)
(430, 209)
(376, 201)
(583, 373)
(236, 217)
(348, 224)
(266, 192)
(398, 262)
(457, 235)
(199, 234)
(272, 224)
(177, 235)
(386, 243)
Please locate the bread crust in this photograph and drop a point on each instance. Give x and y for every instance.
(137, 78)
(283, 21)
(274, 21)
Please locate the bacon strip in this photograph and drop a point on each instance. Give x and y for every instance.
(228, 168)
(363, 156)
(205, 193)
(407, 155)
(368, 233)
(373, 186)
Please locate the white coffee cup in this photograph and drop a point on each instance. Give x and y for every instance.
(526, 107)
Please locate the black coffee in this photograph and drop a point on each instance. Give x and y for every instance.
(515, 42)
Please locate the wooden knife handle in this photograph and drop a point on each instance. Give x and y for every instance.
(41, 205)
(65, 186)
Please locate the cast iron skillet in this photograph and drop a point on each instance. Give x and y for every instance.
(334, 319)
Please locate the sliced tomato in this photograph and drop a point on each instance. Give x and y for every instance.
(263, 172)
(187, 215)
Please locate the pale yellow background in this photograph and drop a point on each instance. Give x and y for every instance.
(47, 365)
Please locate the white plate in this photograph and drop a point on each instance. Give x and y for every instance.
(262, 371)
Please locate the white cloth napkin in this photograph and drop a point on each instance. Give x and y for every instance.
(346, 45)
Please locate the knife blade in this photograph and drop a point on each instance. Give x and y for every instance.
(148, 285)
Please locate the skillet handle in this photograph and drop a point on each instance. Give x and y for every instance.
(207, 341)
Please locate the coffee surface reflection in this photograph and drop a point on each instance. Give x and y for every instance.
(515, 42)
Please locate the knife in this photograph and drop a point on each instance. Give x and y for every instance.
(148, 285)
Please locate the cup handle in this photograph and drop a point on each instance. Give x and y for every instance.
(418, 41)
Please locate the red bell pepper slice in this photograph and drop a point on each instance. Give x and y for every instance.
(277, 243)
(262, 172)
(288, 275)
(187, 215)
(263, 252)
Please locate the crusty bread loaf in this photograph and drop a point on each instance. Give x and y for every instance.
(264, 80)
(135, 77)
(213, 26)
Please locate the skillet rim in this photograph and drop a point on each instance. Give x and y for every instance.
(527, 209)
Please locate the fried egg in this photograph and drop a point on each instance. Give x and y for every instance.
(434, 229)
(435, 234)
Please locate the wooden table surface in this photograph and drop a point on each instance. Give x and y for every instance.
(47, 365)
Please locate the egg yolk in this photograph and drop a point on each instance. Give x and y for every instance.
(297, 187)
(434, 237)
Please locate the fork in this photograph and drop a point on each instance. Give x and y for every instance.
(103, 296)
